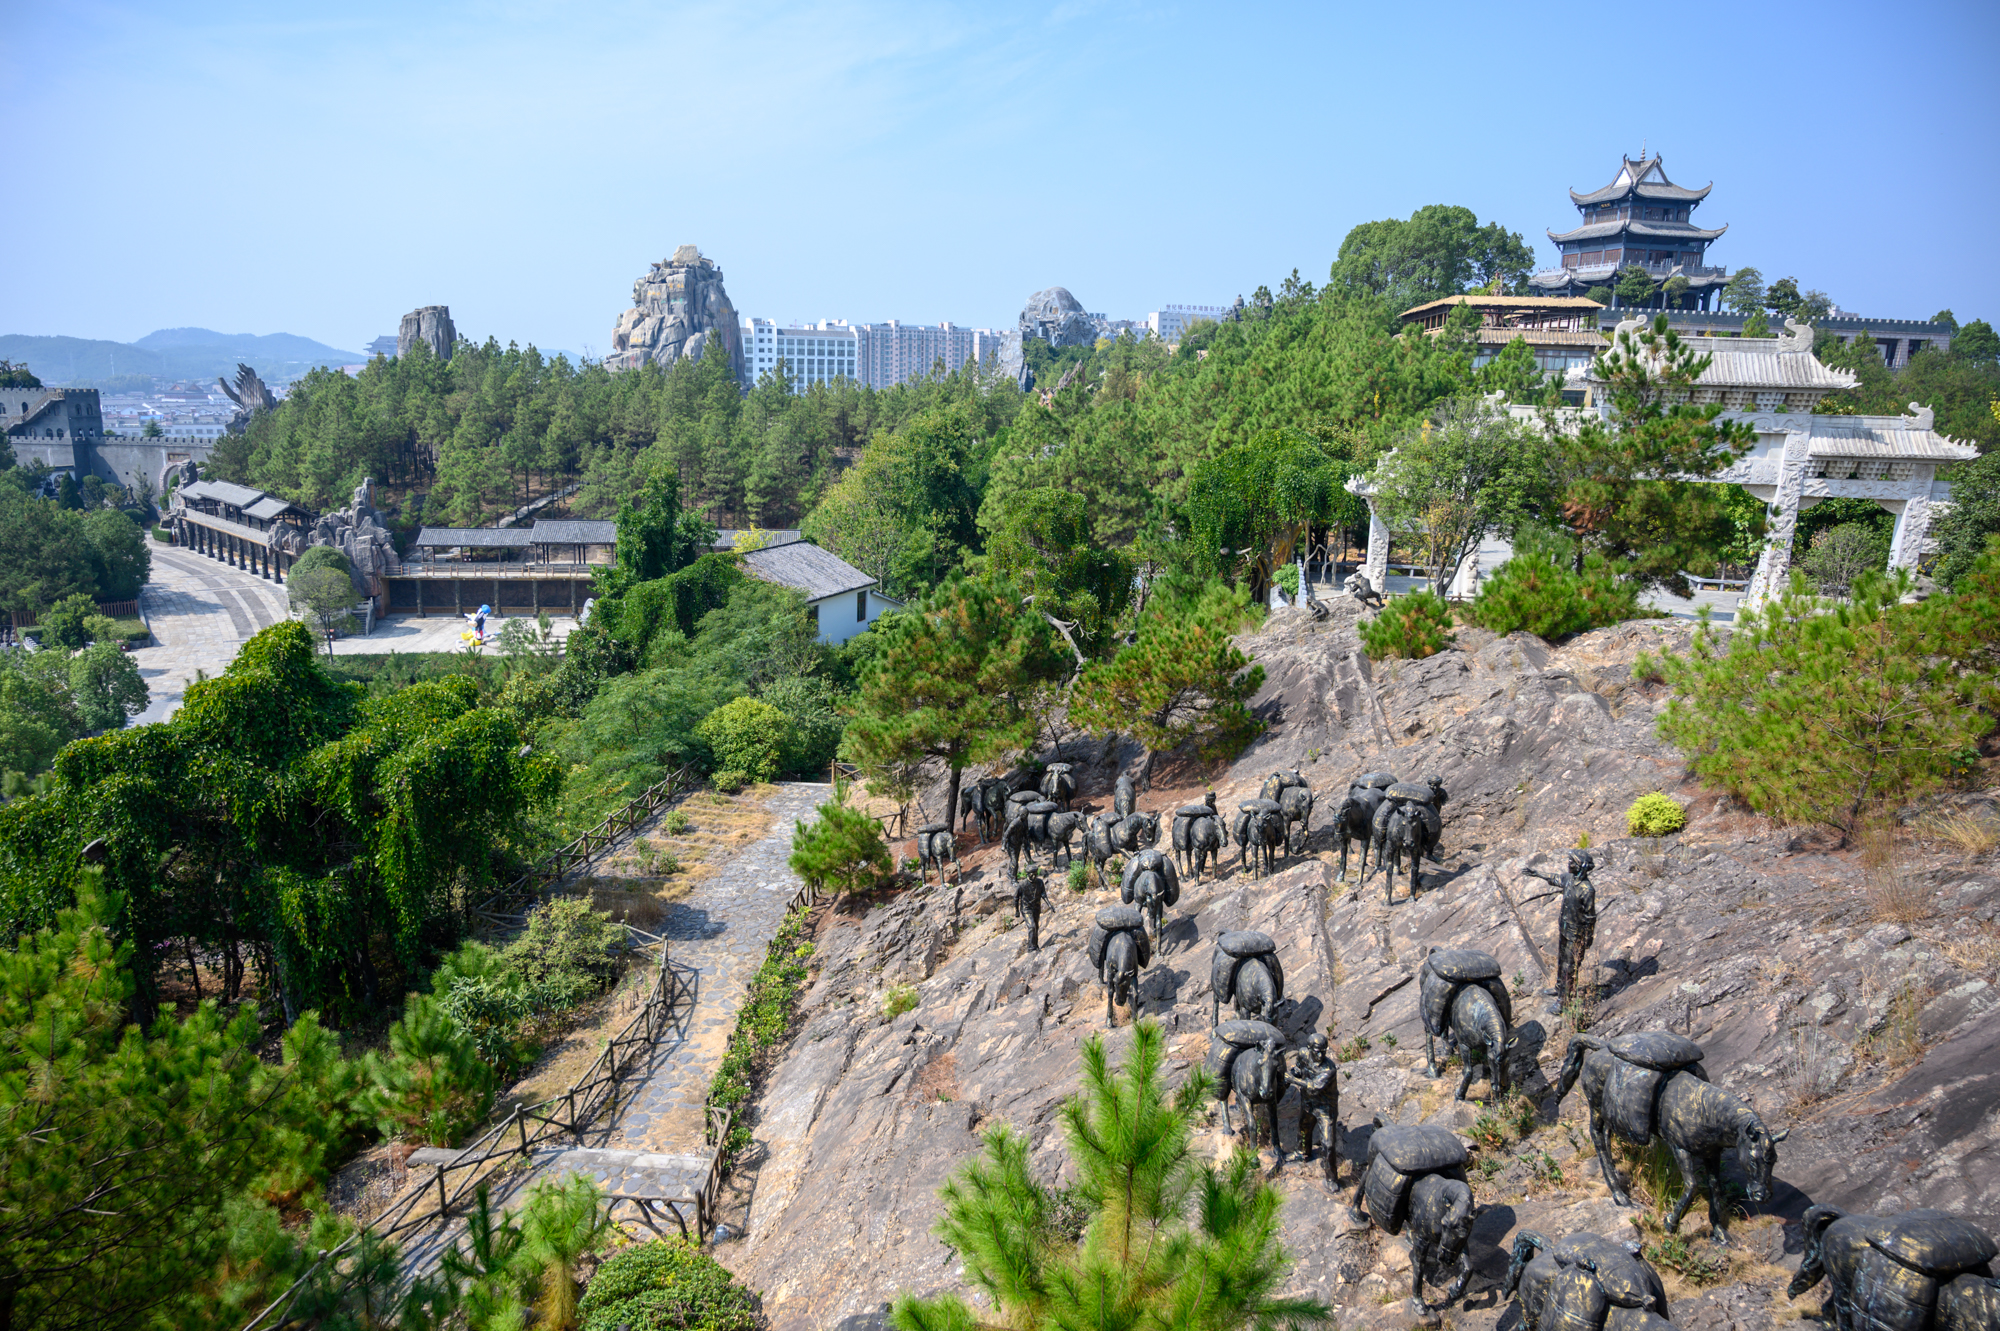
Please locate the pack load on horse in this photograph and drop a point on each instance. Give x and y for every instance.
(985, 802)
(1651, 1084)
(1051, 828)
(1247, 1060)
(1354, 816)
(1293, 794)
(1058, 784)
(1151, 883)
(1414, 1179)
(1119, 950)
(1245, 973)
(1919, 1271)
(1465, 1004)
(1260, 834)
(1198, 836)
(935, 845)
(1124, 799)
(1407, 825)
(1583, 1282)
(1112, 834)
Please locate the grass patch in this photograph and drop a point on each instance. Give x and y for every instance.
(897, 1001)
(1353, 1049)
(1505, 1123)
(1971, 834)
(761, 1025)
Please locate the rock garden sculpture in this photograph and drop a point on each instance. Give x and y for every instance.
(1363, 590)
(1465, 1004)
(1317, 1076)
(1406, 826)
(1583, 1282)
(1124, 799)
(1030, 895)
(1119, 950)
(1414, 1178)
(1651, 1084)
(1110, 834)
(1918, 1271)
(1151, 883)
(1578, 927)
(1058, 784)
(1198, 836)
(1245, 973)
(935, 845)
(1247, 1060)
(1354, 816)
(1260, 835)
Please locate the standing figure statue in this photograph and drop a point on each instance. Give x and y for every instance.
(1030, 895)
(1363, 590)
(1318, 1080)
(1578, 927)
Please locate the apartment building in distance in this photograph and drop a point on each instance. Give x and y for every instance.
(880, 355)
(1169, 321)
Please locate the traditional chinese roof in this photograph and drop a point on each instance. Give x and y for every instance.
(236, 496)
(573, 531)
(485, 538)
(1480, 301)
(1652, 230)
(1769, 363)
(807, 568)
(270, 506)
(1646, 180)
(1908, 437)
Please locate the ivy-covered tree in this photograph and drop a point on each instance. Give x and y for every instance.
(1183, 681)
(1250, 506)
(1450, 482)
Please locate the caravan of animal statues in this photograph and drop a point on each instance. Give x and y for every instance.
(935, 845)
(1918, 1271)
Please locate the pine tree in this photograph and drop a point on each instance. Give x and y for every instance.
(951, 681)
(1171, 1242)
(1183, 681)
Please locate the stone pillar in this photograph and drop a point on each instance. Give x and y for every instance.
(1913, 525)
(1774, 565)
(1377, 567)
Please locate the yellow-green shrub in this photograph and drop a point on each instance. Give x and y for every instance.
(1655, 815)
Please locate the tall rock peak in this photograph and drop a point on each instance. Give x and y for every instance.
(679, 309)
(430, 325)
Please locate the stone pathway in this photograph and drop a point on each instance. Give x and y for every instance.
(721, 930)
(202, 610)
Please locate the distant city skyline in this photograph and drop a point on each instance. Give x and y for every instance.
(523, 165)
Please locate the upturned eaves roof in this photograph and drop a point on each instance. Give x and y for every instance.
(1653, 230)
(1631, 180)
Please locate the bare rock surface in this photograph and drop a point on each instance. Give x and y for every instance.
(1851, 1002)
(679, 309)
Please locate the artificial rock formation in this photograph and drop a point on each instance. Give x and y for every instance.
(357, 532)
(679, 309)
(1057, 318)
(431, 326)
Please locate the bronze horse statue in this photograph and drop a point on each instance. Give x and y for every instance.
(1584, 1282)
(1651, 1084)
(1918, 1271)
(1247, 1060)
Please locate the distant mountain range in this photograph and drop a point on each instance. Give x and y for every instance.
(170, 353)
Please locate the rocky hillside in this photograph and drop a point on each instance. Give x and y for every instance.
(1853, 1002)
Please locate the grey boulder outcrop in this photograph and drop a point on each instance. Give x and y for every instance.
(430, 325)
(680, 310)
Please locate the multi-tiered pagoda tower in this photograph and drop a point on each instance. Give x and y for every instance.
(1641, 218)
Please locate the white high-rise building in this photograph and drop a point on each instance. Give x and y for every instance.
(879, 355)
(1170, 321)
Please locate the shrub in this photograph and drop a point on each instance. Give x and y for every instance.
(897, 1001)
(1079, 877)
(678, 823)
(1840, 554)
(1655, 815)
(670, 1285)
(568, 951)
(321, 556)
(813, 737)
(1286, 580)
(1826, 712)
(433, 1085)
(163, 536)
(1541, 592)
(843, 850)
(746, 736)
(1416, 626)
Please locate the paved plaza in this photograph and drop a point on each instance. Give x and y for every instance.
(201, 611)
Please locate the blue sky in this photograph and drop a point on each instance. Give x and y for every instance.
(320, 170)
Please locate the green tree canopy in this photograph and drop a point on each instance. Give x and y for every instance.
(1439, 250)
(1253, 502)
(1744, 292)
(1450, 482)
(1634, 287)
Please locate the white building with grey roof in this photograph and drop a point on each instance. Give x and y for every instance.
(840, 598)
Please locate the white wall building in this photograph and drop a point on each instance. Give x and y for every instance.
(841, 599)
(1170, 321)
(814, 353)
(879, 355)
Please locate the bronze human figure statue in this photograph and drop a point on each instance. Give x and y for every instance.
(1318, 1079)
(1363, 590)
(1578, 927)
(1918, 1271)
(1030, 895)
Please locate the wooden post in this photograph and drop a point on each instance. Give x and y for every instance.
(440, 1183)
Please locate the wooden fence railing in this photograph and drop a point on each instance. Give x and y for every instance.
(585, 849)
(521, 1132)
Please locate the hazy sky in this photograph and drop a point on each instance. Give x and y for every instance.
(322, 169)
